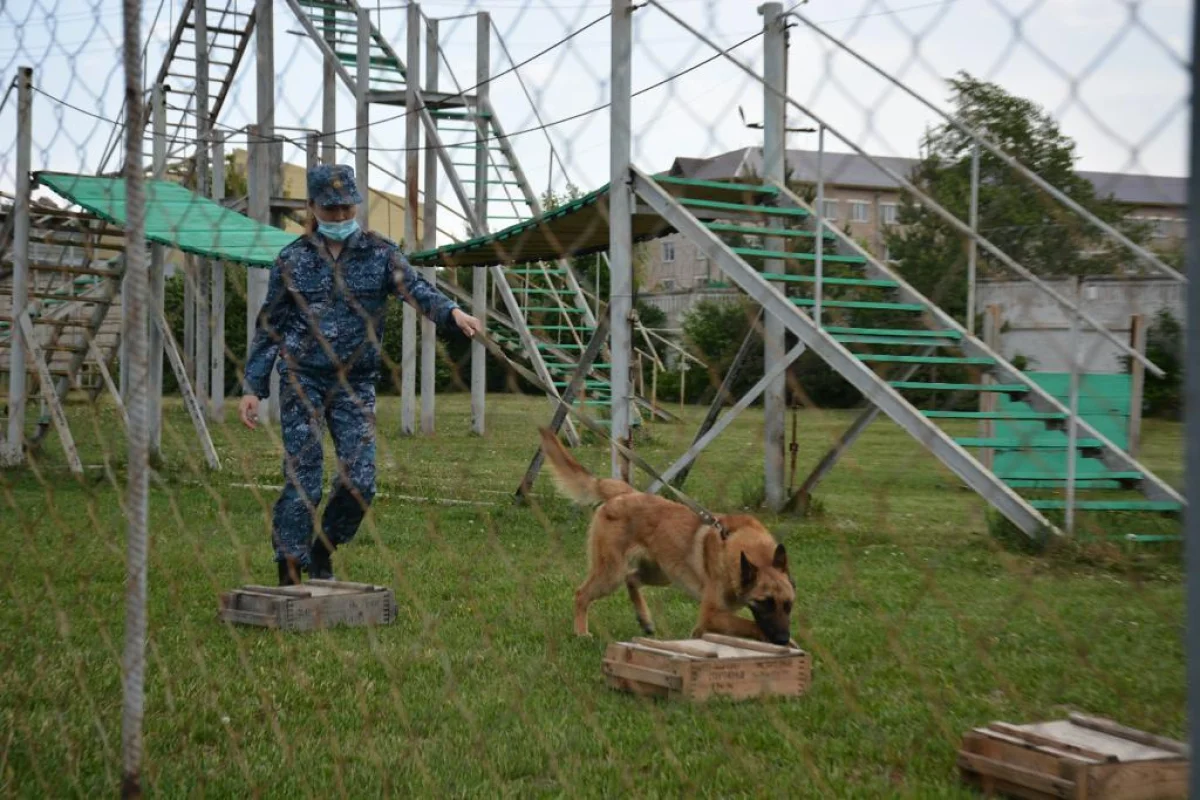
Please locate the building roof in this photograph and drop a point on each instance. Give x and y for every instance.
(853, 170)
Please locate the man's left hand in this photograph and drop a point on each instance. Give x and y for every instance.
(466, 323)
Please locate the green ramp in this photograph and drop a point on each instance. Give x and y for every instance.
(177, 218)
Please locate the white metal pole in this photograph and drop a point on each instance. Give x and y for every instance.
(774, 167)
(1072, 427)
(429, 231)
(216, 406)
(972, 246)
(154, 400)
(820, 243)
(329, 93)
(479, 275)
(620, 231)
(412, 164)
(14, 442)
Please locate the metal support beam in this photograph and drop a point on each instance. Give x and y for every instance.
(1137, 384)
(429, 236)
(49, 395)
(14, 442)
(774, 337)
(685, 461)
(362, 122)
(256, 279)
(582, 368)
(216, 405)
(731, 375)
(154, 355)
(876, 391)
(412, 165)
(201, 329)
(268, 167)
(479, 275)
(801, 497)
(159, 320)
(620, 230)
(972, 245)
(329, 93)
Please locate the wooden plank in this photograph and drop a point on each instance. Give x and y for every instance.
(1018, 732)
(185, 387)
(1048, 784)
(634, 672)
(50, 395)
(751, 644)
(1153, 780)
(348, 585)
(1132, 734)
(677, 647)
(289, 591)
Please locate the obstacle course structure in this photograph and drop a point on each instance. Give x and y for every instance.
(812, 282)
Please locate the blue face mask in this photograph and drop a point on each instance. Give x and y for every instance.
(338, 231)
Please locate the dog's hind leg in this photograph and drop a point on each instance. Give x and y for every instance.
(634, 585)
(599, 583)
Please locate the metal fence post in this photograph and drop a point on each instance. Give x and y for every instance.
(429, 241)
(479, 275)
(620, 231)
(14, 442)
(412, 143)
(216, 405)
(774, 168)
(158, 162)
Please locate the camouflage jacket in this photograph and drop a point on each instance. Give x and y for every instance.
(323, 315)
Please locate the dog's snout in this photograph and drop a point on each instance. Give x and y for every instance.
(780, 638)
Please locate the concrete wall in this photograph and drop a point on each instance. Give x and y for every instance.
(1038, 328)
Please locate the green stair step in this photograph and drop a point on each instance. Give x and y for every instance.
(1108, 505)
(1004, 415)
(785, 278)
(897, 332)
(555, 309)
(570, 367)
(1027, 475)
(593, 384)
(788, 256)
(727, 186)
(551, 328)
(1008, 388)
(871, 304)
(759, 230)
(889, 340)
(720, 205)
(871, 357)
(1007, 443)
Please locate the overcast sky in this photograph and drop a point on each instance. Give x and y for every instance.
(1112, 72)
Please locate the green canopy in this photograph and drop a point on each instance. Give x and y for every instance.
(177, 218)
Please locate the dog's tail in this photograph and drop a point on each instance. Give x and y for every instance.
(573, 479)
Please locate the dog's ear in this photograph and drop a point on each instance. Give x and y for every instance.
(780, 562)
(749, 572)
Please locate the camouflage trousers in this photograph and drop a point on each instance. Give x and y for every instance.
(307, 405)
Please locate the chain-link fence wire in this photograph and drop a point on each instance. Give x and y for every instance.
(926, 612)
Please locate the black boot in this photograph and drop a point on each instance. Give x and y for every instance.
(320, 561)
(289, 572)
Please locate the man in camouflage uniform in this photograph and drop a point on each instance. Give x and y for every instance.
(323, 320)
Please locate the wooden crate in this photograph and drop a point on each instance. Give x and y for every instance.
(1081, 757)
(712, 666)
(311, 605)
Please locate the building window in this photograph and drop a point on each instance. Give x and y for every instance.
(830, 210)
(860, 211)
(668, 252)
(888, 212)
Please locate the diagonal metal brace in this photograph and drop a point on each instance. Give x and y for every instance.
(568, 396)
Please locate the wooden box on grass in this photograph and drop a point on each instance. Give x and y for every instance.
(1081, 757)
(316, 604)
(713, 666)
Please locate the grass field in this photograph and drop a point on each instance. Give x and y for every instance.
(921, 627)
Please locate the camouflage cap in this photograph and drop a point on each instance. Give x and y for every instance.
(333, 185)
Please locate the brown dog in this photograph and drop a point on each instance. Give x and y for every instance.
(641, 539)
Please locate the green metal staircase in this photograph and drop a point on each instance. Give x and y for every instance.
(919, 362)
(473, 145)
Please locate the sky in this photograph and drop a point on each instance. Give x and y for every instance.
(1112, 72)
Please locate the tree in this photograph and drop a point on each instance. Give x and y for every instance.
(1019, 218)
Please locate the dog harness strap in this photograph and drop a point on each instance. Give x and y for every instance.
(598, 429)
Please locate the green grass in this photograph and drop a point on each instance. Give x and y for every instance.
(921, 626)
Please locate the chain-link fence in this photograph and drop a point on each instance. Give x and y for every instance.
(879, 305)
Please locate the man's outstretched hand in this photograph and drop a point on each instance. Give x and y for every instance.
(466, 323)
(248, 411)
